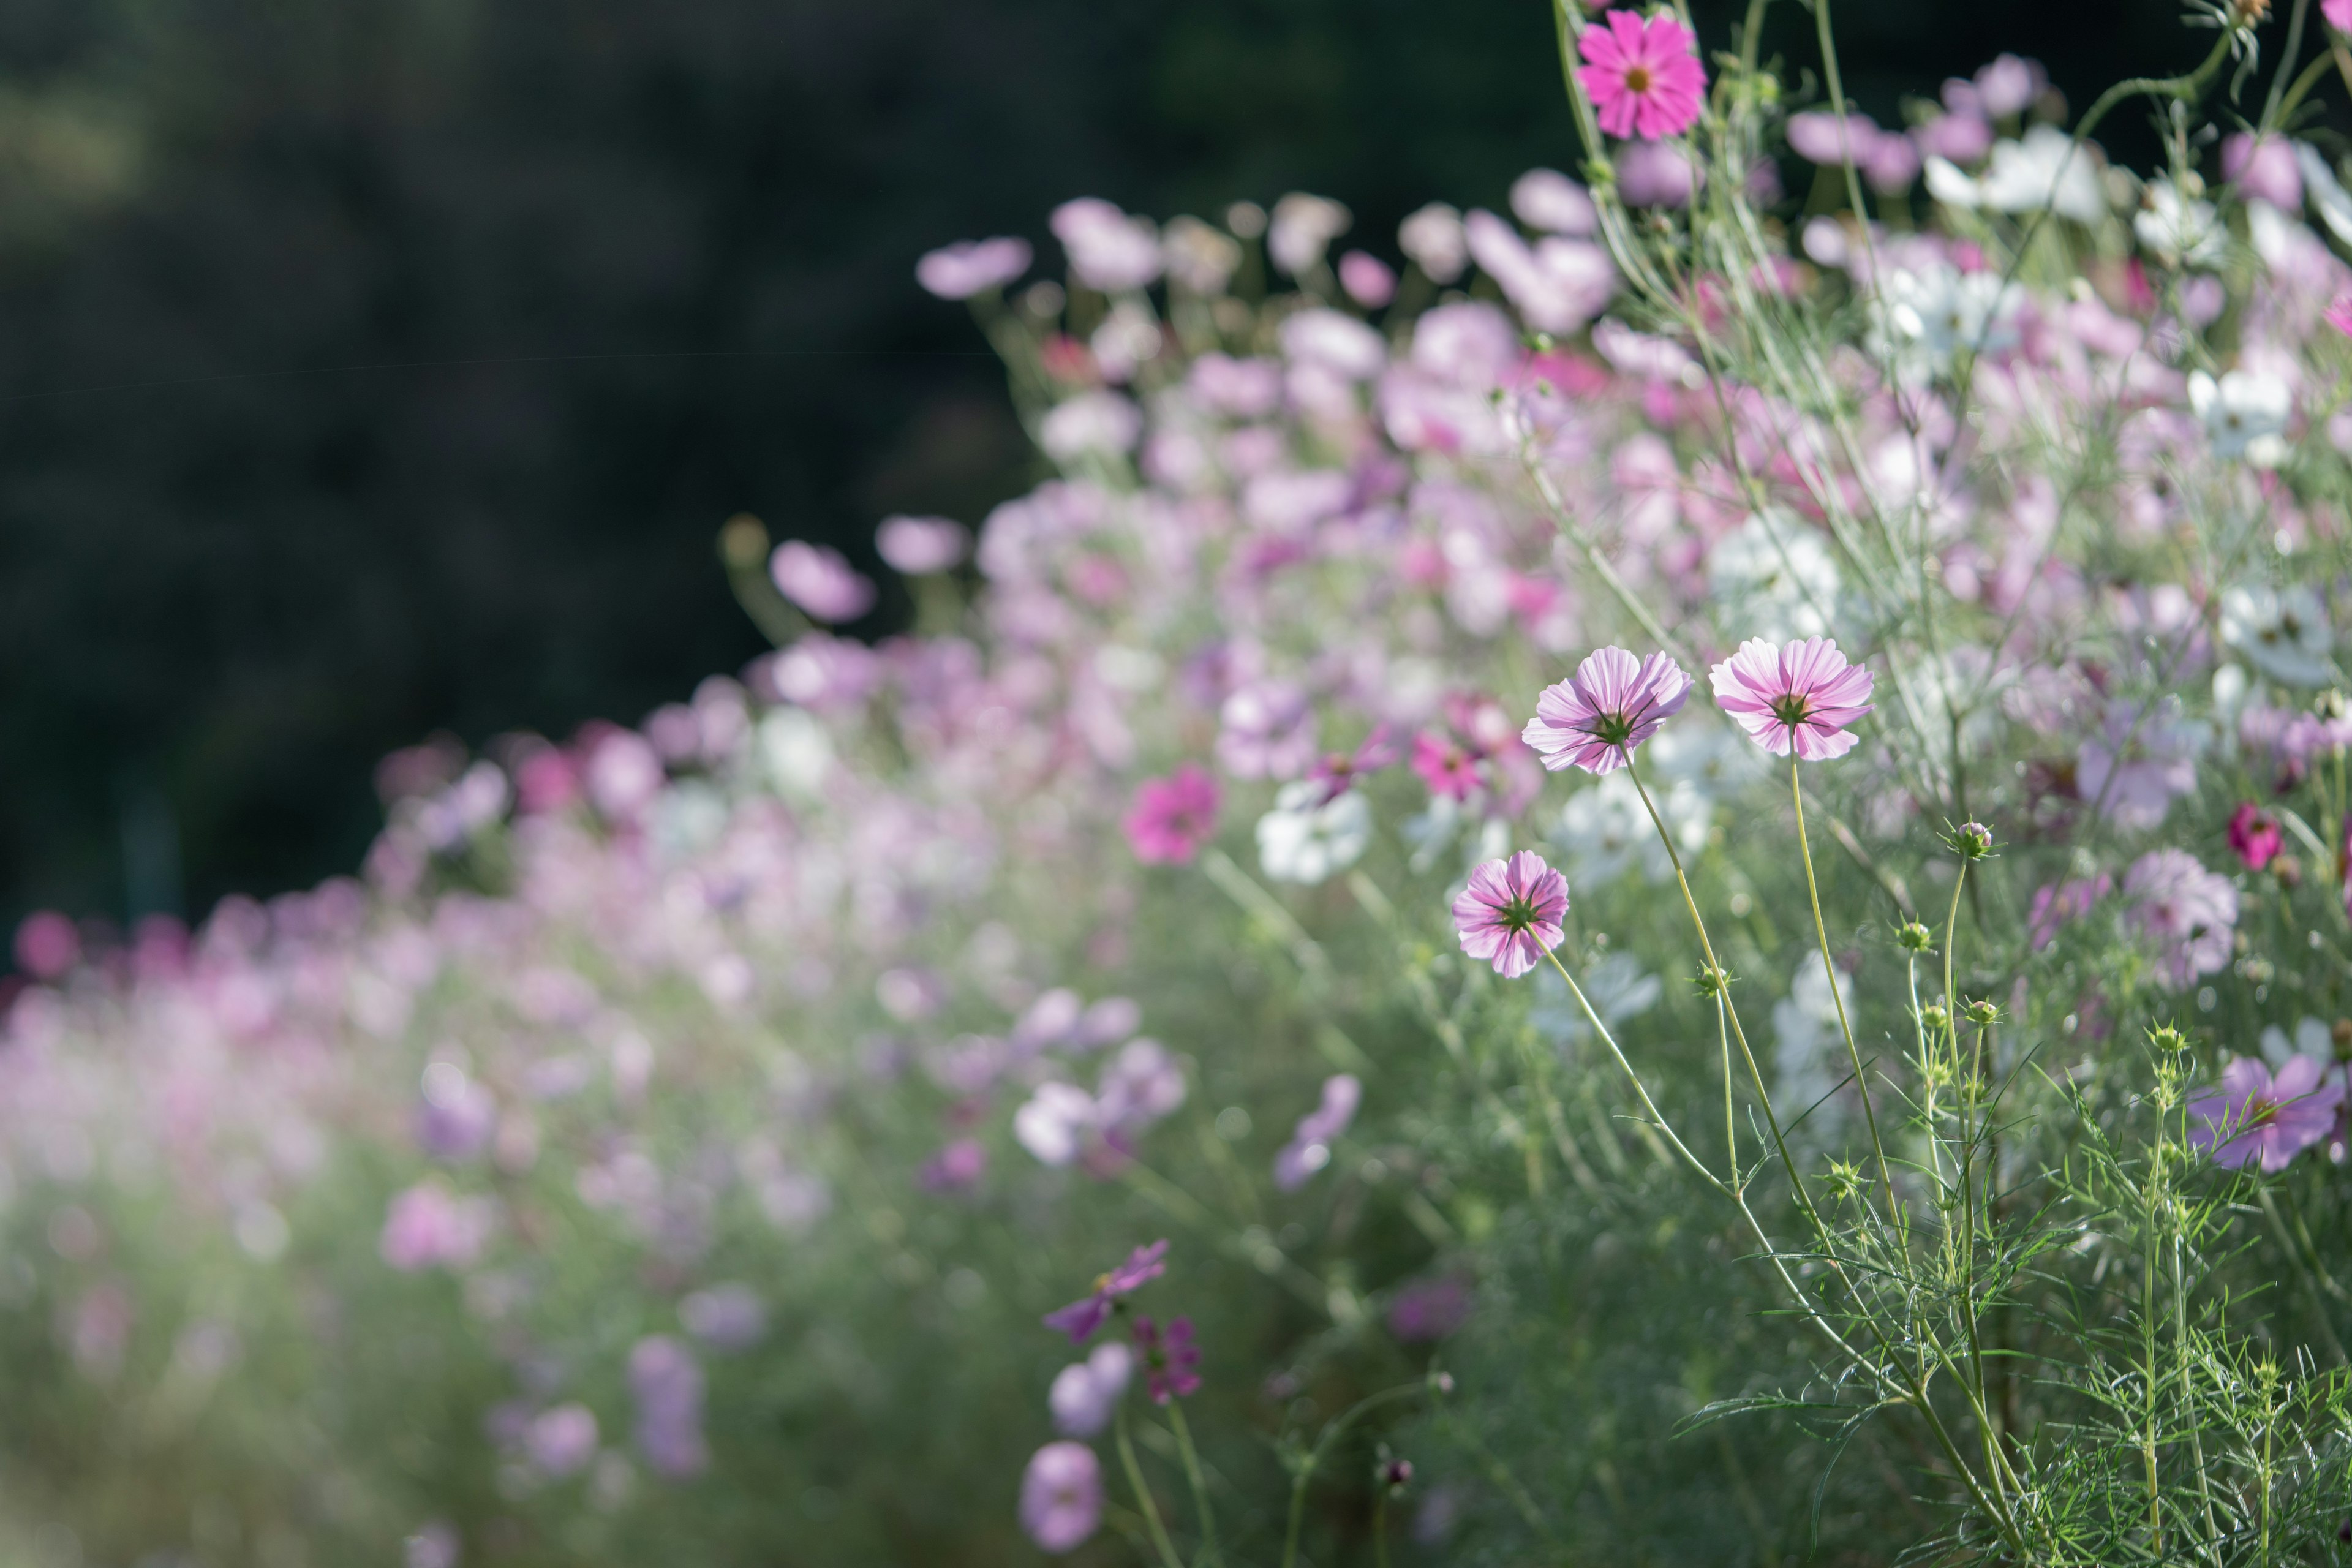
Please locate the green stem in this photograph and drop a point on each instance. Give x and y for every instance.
(1829, 973)
(1210, 1550)
(1166, 1548)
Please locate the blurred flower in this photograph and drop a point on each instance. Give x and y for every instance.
(1548, 200)
(1613, 702)
(1081, 1317)
(2055, 903)
(48, 945)
(1062, 1496)
(1173, 817)
(1800, 696)
(1086, 1393)
(920, 546)
(2140, 760)
(1107, 249)
(429, 1226)
(971, 266)
(1433, 240)
(2263, 169)
(434, 1545)
(1169, 1359)
(1092, 423)
(2254, 835)
(2010, 85)
(2182, 232)
(1305, 838)
(957, 1168)
(1643, 78)
(2191, 913)
(1310, 1148)
(669, 1384)
(1302, 228)
(561, 1441)
(1367, 279)
(2044, 169)
(2285, 633)
(1430, 1308)
(820, 581)
(725, 1317)
(2254, 1118)
(1654, 173)
(2245, 412)
(1510, 913)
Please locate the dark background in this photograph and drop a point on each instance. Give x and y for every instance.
(375, 367)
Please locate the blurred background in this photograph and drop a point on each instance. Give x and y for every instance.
(375, 368)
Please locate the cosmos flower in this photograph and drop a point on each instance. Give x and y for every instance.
(1613, 702)
(1800, 696)
(1062, 1496)
(1310, 1148)
(1510, 913)
(2254, 835)
(1086, 1393)
(1081, 1317)
(1643, 78)
(1173, 817)
(972, 267)
(820, 581)
(1169, 1359)
(2254, 1116)
(2191, 913)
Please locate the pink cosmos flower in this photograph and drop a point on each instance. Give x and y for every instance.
(919, 546)
(1367, 279)
(1338, 772)
(1800, 696)
(1613, 702)
(1510, 913)
(1310, 1148)
(1447, 767)
(1081, 1317)
(2338, 14)
(1173, 817)
(971, 266)
(2254, 835)
(1642, 76)
(1062, 1496)
(2191, 913)
(1167, 1359)
(48, 945)
(2256, 1117)
(2339, 313)
(820, 581)
(2055, 903)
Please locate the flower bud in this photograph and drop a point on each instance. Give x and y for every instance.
(1933, 1016)
(1395, 1474)
(1980, 1012)
(2165, 1038)
(1914, 937)
(2342, 1036)
(1972, 841)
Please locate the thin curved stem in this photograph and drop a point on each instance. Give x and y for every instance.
(1829, 973)
(1165, 1547)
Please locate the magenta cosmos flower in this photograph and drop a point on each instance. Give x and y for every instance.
(1169, 1359)
(1080, 1319)
(1062, 1496)
(1510, 914)
(2254, 1116)
(1800, 696)
(2254, 835)
(1643, 79)
(1173, 817)
(1613, 702)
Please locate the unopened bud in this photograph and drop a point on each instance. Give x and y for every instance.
(2165, 1038)
(744, 543)
(1395, 1474)
(2342, 1036)
(1934, 1016)
(1914, 937)
(1973, 840)
(1980, 1012)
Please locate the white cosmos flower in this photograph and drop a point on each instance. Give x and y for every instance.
(2245, 412)
(2043, 170)
(1922, 319)
(2182, 232)
(1300, 841)
(2285, 635)
(1808, 1050)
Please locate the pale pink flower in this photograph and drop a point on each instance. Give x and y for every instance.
(48, 945)
(1062, 1496)
(1173, 817)
(2263, 169)
(919, 546)
(1799, 697)
(2056, 903)
(2338, 14)
(1510, 913)
(429, 1226)
(820, 581)
(2190, 912)
(971, 266)
(1613, 702)
(2339, 312)
(1081, 1317)
(1310, 1148)
(1643, 78)
(2255, 1117)
(1367, 279)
